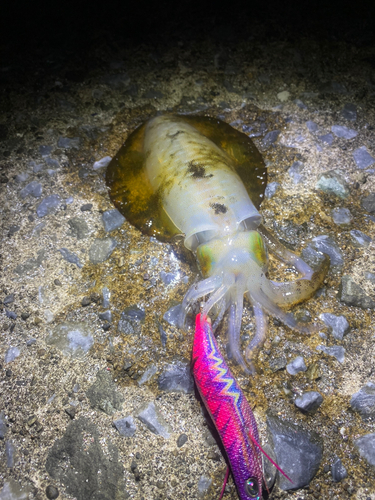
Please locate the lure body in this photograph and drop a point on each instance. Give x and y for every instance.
(229, 410)
(199, 177)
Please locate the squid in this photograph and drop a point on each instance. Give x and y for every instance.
(199, 177)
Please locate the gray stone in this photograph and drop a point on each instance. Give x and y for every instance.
(51, 492)
(368, 203)
(3, 426)
(337, 324)
(112, 219)
(51, 172)
(271, 189)
(52, 163)
(167, 278)
(11, 354)
(176, 377)
(173, 315)
(147, 375)
(10, 453)
(341, 216)
(106, 316)
(366, 447)
(86, 207)
(337, 351)
(363, 401)
(343, 132)
(296, 366)
(33, 188)
(72, 339)
(270, 138)
(106, 297)
(67, 143)
(21, 177)
(352, 294)
(338, 471)
(101, 249)
(8, 299)
(278, 363)
(48, 205)
(103, 394)
(327, 139)
(102, 163)
(149, 415)
(45, 150)
(14, 491)
(31, 264)
(78, 228)
(13, 230)
(125, 426)
(360, 239)
(349, 112)
(332, 182)
(312, 126)
(181, 440)
(295, 172)
(75, 459)
(70, 257)
(309, 402)
(362, 157)
(370, 276)
(327, 245)
(10, 314)
(204, 484)
(298, 452)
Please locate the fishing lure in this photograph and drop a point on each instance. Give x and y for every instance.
(230, 412)
(199, 177)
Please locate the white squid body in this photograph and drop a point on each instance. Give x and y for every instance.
(204, 197)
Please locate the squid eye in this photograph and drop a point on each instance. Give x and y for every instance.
(252, 488)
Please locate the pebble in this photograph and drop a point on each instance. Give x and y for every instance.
(296, 366)
(48, 205)
(181, 440)
(204, 484)
(332, 182)
(13, 230)
(10, 452)
(168, 278)
(283, 96)
(10, 314)
(271, 189)
(125, 426)
(67, 143)
(103, 394)
(349, 112)
(363, 401)
(336, 351)
(362, 157)
(3, 426)
(277, 364)
(366, 447)
(370, 276)
(360, 239)
(312, 126)
(297, 451)
(337, 324)
(327, 139)
(78, 228)
(338, 471)
(52, 163)
(11, 354)
(112, 219)
(8, 299)
(21, 177)
(270, 138)
(176, 377)
(86, 301)
(147, 375)
(106, 297)
(33, 189)
(70, 257)
(341, 216)
(106, 316)
(368, 203)
(295, 172)
(102, 163)
(101, 249)
(72, 339)
(52, 492)
(173, 315)
(14, 491)
(309, 402)
(327, 245)
(86, 207)
(352, 294)
(150, 415)
(45, 150)
(343, 132)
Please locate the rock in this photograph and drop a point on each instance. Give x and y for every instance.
(173, 315)
(86, 207)
(312, 126)
(366, 447)
(10, 314)
(327, 139)
(349, 112)
(271, 189)
(204, 484)
(147, 375)
(338, 471)
(363, 401)
(270, 138)
(368, 203)
(295, 172)
(125, 426)
(332, 182)
(32, 189)
(352, 294)
(13, 230)
(10, 453)
(78, 228)
(149, 415)
(8, 299)
(176, 377)
(49, 205)
(283, 96)
(72, 339)
(70, 257)
(343, 132)
(106, 297)
(67, 143)
(362, 157)
(14, 491)
(75, 461)
(309, 402)
(101, 249)
(296, 366)
(106, 316)
(297, 451)
(168, 278)
(328, 246)
(360, 239)
(112, 219)
(103, 394)
(31, 264)
(86, 301)
(52, 492)
(11, 354)
(45, 150)
(341, 216)
(181, 440)
(71, 411)
(52, 163)
(337, 324)
(21, 177)
(336, 351)
(370, 277)
(102, 163)
(278, 363)
(3, 426)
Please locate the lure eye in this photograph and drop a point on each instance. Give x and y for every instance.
(252, 488)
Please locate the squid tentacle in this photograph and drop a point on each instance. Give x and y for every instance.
(261, 324)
